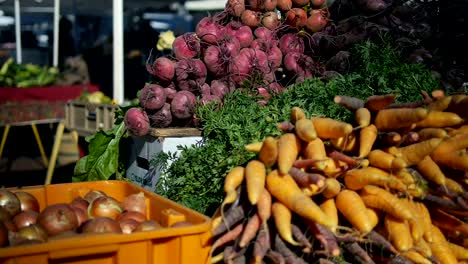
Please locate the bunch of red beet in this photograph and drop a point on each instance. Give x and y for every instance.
(22, 222)
(260, 45)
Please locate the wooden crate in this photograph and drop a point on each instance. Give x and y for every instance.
(87, 118)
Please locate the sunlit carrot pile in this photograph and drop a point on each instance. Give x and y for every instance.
(389, 188)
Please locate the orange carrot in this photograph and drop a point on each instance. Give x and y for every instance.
(357, 179)
(440, 119)
(347, 143)
(227, 237)
(395, 118)
(383, 160)
(367, 137)
(348, 102)
(329, 208)
(285, 189)
(363, 117)
(415, 153)
(379, 102)
(378, 198)
(332, 188)
(269, 152)
(328, 128)
(264, 206)
(461, 253)
(416, 257)
(255, 174)
(282, 216)
(398, 232)
(254, 147)
(431, 171)
(428, 133)
(288, 150)
(305, 129)
(250, 230)
(351, 206)
(297, 114)
(440, 247)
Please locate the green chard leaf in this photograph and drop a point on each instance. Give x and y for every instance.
(103, 159)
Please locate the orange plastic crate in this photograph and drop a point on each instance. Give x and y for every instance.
(168, 245)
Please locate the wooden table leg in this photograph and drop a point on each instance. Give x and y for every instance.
(55, 150)
(4, 137)
(39, 144)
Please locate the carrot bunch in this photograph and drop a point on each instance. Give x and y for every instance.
(387, 188)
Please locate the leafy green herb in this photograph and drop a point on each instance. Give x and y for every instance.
(195, 178)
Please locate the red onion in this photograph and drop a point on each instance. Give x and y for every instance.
(104, 206)
(58, 218)
(28, 201)
(128, 225)
(137, 216)
(9, 202)
(91, 195)
(148, 225)
(101, 225)
(25, 218)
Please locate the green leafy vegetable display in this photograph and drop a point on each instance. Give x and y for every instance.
(195, 178)
(26, 75)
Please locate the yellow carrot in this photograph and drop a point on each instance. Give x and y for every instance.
(395, 118)
(367, 137)
(429, 132)
(285, 190)
(398, 233)
(378, 198)
(282, 216)
(357, 179)
(431, 171)
(328, 128)
(383, 160)
(363, 117)
(347, 143)
(440, 247)
(305, 129)
(233, 180)
(297, 114)
(328, 206)
(461, 253)
(441, 104)
(332, 188)
(255, 174)
(423, 248)
(269, 152)
(288, 151)
(351, 206)
(315, 150)
(416, 257)
(426, 221)
(373, 217)
(415, 153)
(254, 147)
(440, 119)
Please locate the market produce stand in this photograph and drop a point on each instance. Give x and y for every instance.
(38, 105)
